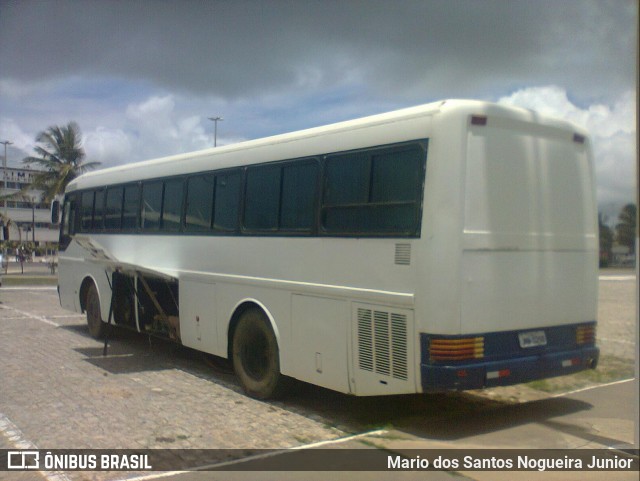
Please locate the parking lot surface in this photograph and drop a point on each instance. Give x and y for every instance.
(58, 391)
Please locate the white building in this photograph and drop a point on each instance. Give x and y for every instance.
(29, 218)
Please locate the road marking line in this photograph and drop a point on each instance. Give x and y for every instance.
(588, 388)
(623, 341)
(31, 316)
(617, 278)
(29, 288)
(16, 437)
(155, 476)
(257, 456)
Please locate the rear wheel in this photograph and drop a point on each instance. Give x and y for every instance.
(94, 316)
(256, 359)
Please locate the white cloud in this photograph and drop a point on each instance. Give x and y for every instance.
(149, 129)
(12, 131)
(109, 147)
(22, 142)
(612, 129)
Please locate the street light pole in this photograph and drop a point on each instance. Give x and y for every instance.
(215, 129)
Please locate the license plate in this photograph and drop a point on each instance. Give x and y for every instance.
(532, 339)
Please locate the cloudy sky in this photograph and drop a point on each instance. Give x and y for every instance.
(142, 77)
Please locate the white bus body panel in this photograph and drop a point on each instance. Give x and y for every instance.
(530, 240)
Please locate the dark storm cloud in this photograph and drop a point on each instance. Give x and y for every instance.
(238, 49)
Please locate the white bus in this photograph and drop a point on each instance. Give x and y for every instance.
(448, 246)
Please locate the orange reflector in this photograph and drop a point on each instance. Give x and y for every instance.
(456, 349)
(586, 334)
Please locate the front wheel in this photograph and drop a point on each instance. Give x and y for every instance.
(256, 359)
(97, 328)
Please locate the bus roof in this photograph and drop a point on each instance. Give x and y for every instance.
(239, 154)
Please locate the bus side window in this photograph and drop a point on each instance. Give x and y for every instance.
(199, 208)
(67, 228)
(86, 210)
(113, 209)
(262, 198)
(226, 205)
(299, 188)
(131, 207)
(151, 205)
(172, 204)
(374, 192)
(98, 211)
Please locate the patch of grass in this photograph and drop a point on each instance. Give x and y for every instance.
(302, 439)
(27, 280)
(610, 369)
(371, 444)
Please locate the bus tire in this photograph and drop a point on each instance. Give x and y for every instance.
(94, 317)
(256, 359)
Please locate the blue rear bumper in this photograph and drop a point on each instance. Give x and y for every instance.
(506, 364)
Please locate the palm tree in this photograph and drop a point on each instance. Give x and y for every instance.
(61, 158)
(626, 227)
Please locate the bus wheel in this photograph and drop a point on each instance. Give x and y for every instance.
(94, 317)
(255, 356)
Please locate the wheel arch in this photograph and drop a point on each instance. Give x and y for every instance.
(239, 309)
(84, 289)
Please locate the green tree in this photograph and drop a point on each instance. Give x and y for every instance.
(626, 227)
(61, 158)
(606, 241)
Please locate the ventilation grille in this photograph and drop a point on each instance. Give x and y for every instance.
(403, 254)
(382, 343)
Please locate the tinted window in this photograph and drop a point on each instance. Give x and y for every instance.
(262, 198)
(199, 202)
(299, 183)
(377, 191)
(396, 176)
(69, 215)
(227, 200)
(347, 179)
(86, 211)
(98, 211)
(113, 208)
(371, 219)
(131, 207)
(151, 205)
(172, 204)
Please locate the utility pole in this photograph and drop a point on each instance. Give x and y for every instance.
(215, 129)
